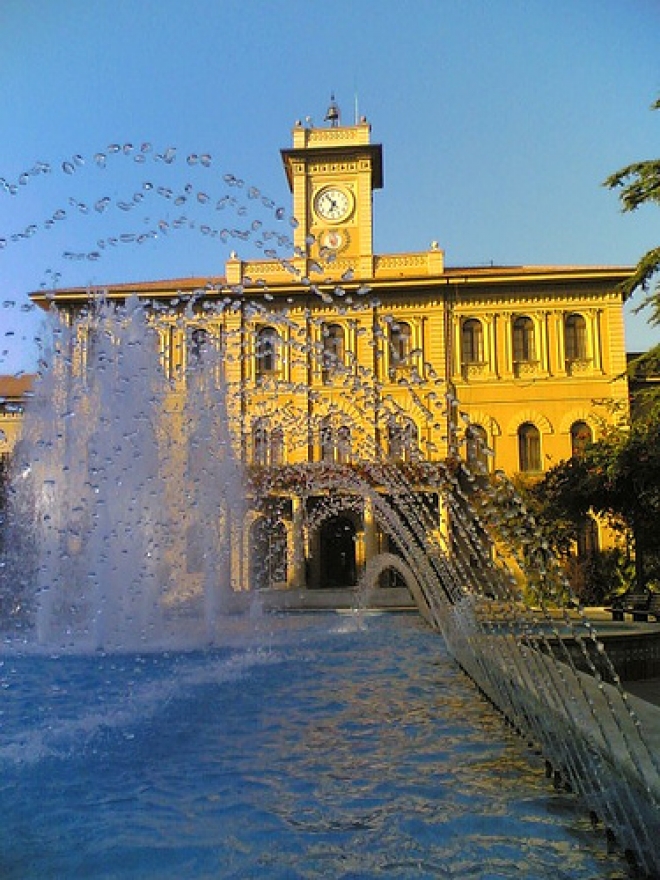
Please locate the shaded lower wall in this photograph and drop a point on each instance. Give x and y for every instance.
(635, 656)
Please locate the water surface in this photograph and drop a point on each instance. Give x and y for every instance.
(308, 748)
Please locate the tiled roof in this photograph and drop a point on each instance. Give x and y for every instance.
(16, 386)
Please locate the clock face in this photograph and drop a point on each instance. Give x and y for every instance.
(333, 204)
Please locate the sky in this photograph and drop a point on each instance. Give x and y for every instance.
(141, 138)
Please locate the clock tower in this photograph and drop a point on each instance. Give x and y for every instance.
(332, 173)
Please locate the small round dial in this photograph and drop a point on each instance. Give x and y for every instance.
(333, 204)
(333, 240)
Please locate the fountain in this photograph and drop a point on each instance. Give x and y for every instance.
(116, 549)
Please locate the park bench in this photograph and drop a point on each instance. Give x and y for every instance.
(640, 605)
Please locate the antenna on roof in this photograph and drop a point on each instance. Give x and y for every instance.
(333, 115)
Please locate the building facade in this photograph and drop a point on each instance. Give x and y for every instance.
(14, 394)
(335, 354)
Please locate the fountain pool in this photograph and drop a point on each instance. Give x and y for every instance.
(311, 746)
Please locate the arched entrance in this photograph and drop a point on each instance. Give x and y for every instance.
(267, 554)
(337, 538)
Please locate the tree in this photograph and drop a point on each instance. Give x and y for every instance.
(618, 478)
(640, 184)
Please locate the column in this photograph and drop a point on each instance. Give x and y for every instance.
(296, 577)
(370, 531)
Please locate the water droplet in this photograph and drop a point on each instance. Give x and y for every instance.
(139, 158)
(68, 167)
(100, 159)
(78, 160)
(147, 186)
(179, 200)
(94, 255)
(202, 198)
(127, 237)
(128, 148)
(165, 192)
(146, 147)
(192, 159)
(279, 213)
(293, 222)
(170, 155)
(59, 214)
(3, 243)
(206, 160)
(348, 275)
(23, 179)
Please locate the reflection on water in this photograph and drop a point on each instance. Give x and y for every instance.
(327, 750)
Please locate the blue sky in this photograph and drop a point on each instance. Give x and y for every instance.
(499, 121)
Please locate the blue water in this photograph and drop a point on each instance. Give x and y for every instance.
(308, 750)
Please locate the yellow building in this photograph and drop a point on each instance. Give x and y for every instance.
(338, 354)
(14, 392)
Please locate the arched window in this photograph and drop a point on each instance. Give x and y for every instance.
(472, 342)
(277, 446)
(575, 334)
(400, 344)
(260, 443)
(529, 448)
(403, 439)
(334, 349)
(588, 538)
(476, 452)
(344, 444)
(581, 437)
(199, 341)
(267, 445)
(327, 440)
(335, 443)
(268, 351)
(524, 349)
